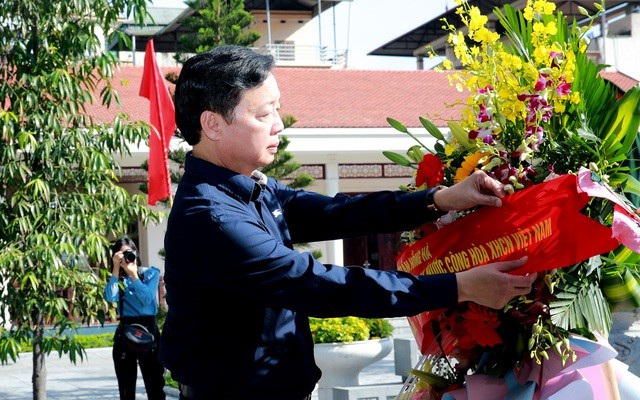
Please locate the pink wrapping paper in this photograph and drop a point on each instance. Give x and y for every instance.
(584, 379)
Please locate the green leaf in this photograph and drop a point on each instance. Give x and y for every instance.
(430, 378)
(622, 129)
(415, 154)
(461, 135)
(397, 125)
(398, 159)
(400, 127)
(629, 183)
(432, 129)
(583, 306)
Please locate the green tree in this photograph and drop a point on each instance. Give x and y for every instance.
(59, 200)
(214, 23)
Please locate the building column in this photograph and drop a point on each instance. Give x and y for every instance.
(151, 242)
(334, 247)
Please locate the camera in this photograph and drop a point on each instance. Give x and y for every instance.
(130, 255)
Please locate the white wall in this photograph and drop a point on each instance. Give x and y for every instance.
(151, 241)
(623, 52)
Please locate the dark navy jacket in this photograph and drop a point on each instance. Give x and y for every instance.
(239, 295)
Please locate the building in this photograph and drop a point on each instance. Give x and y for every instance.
(614, 37)
(341, 132)
(290, 30)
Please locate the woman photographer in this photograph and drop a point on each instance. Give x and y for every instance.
(135, 289)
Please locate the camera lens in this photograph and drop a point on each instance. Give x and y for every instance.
(129, 256)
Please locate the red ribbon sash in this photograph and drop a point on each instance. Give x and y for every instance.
(543, 222)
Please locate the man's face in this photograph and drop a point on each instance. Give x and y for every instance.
(251, 140)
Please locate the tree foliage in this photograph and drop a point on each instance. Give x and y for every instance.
(215, 23)
(60, 203)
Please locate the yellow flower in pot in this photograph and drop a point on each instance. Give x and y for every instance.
(344, 346)
(349, 329)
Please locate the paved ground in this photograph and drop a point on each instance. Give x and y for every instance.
(94, 377)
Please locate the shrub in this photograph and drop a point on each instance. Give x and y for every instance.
(379, 328)
(94, 341)
(348, 329)
(87, 341)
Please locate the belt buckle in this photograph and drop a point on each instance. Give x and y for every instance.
(186, 391)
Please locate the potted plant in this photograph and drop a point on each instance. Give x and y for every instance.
(344, 346)
(349, 329)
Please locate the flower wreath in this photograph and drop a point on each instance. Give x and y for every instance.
(540, 119)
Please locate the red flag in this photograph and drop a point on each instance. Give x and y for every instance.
(163, 124)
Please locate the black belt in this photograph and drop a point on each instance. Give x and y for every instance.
(187, 392)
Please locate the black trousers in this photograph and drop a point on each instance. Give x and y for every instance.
(187, 393)
(126, 364)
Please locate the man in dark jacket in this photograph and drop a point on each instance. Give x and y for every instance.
(230, 258)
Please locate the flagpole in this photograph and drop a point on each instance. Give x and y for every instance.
(166, 156)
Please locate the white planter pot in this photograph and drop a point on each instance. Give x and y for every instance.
(341, 363)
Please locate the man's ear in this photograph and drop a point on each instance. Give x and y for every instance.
(210, 126)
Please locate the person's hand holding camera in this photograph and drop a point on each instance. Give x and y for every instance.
(124, 263)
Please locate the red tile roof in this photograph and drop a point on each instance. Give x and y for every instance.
(327, 98)
(362, 98)
(126, 82)
(622, 81)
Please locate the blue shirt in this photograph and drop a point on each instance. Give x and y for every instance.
(140, 296)
(239, 295)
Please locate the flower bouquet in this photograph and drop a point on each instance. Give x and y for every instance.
(541, 120)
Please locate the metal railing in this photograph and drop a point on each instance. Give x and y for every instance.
(288, 54)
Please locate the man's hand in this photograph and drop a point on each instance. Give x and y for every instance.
(479, 189)
(490, 285)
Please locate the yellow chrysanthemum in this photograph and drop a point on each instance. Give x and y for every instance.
(569, 65)
(477, 20)
(583, 46)
(514, 62)
(575, 97)
(486, 36)
(551, 28)
(539, 28)
(456, 39)
(528, 13)
(541, 55)
(473, 81)
(548, 8)
(543, 7)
